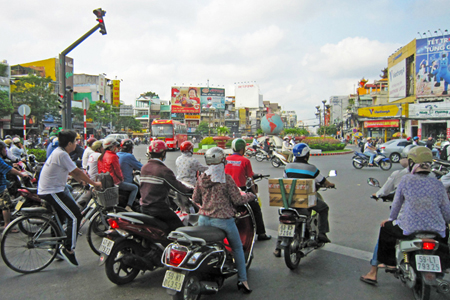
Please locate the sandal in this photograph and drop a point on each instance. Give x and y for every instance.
(368, 281)
(277, 253)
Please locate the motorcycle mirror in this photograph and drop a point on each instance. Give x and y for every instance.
(373, 182)
(333, 173)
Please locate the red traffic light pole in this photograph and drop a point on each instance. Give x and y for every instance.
(67, 111)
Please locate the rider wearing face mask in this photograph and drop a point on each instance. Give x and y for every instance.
(187, 164)
(156, 181)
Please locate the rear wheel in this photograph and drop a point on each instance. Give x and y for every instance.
(357, 163)
(259, 156)
(292, 255)
(394, 157)
(25, 251)
(190, 289)
(385, 165)
(116, 270)
(276, 162)
(421, 290)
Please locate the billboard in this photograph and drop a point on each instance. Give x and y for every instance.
(247, 95)
(379, 111)
(116, 92)
(185, 99)
(397, 81)
(212, 97)
(432, 73)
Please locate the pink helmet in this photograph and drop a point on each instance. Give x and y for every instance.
(157, 146)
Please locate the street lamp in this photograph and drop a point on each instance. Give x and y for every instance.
(324, 112)
(318, 115)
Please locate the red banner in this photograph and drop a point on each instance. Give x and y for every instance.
(382, 123)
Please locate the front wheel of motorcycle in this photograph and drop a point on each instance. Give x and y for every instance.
(385, 165)
(276, 162)
(259, 156)
(116, 270)
(357, 164)
(421, 290)
(292, 254)
(190, 290)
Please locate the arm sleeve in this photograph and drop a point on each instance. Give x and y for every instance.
(116, 167)
(235, 193)
(4, 167)
(388, 186)
(197, 195)
(199, 167)
(398, 201)
(11, 156)
(67, 163)
(172, 181)
(248, 169)
(446, 180)
(135, 163)
(445, 206)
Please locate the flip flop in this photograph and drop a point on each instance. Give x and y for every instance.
(368, 281)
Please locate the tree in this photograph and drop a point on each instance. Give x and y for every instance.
(39, 94)
(327, 130)
(123, 123)
(259, 131)
(150, 94)
(6, 107)
(296, 131)
(203, 128)
(223, 130)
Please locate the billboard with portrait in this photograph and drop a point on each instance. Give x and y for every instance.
(212, 97)
(185, 99)
(397, 81)
(432, 66)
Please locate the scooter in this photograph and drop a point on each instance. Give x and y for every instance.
(278, 159)
(299, 232)
(440, 167)
(360, 160)
(421, 261)
(200, 258)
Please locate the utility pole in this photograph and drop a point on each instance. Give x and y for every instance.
(67, 110)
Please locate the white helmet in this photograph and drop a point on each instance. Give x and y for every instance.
(16, 140)
(109, 142)
(214, 156)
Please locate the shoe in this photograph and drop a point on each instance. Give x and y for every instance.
(129, 209)
(264, 237)
(368, 281)
(277, 253)
(240, 286)
(323, 238)
(69, 257)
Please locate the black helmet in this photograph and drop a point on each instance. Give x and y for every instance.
(127, 145)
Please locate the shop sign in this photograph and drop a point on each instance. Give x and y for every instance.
(192, 117)
(379, 111)
(429, 110)
(381, 123)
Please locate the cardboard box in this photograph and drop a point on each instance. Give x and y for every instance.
(302, 187)
(298, 201)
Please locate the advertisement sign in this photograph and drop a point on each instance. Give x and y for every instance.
(397, 81)
(432, 72)
(185, 100)
(247, 95)
(116, 92)
(126, 110)
(192, 117)
(429, 110)
(212, 97)
(378, 124)
(379, 111)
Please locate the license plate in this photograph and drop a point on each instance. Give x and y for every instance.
(19, 204)
(173, 280)
(106, 246)
(285, 230)
(428, 263)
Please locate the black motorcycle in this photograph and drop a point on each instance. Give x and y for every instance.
(361, 160)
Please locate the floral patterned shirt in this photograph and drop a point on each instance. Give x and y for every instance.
(421, 203)
(217, 200)
(187, 167)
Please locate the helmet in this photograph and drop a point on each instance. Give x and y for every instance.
(187, 147)
(415, 138)
(238, 145)
(408, 138)
(109, 142)
(301, 150)
(8, 142)
(406, 150)
(32, 158)
(157, 146)
(214, 156)
(3, 145)
(55, 143)
(8, 137)
(96, 145)
(126, 145)
(91, 141)
(420, 155)
(16, 140)
(286, 138)
(53, 137)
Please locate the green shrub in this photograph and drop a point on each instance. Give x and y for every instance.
(41, 154)
(324, 144)
(207, 141)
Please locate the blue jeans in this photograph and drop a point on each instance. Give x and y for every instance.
(374, 261)
(125, 186)
(372, 156)
(229, 226)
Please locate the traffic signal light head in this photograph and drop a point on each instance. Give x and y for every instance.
(99, 13)
(61, 101)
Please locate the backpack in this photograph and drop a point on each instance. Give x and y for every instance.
(444, 155)
(106, 180)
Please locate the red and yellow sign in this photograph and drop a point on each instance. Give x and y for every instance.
(116, 92)
(381, 123)
(192, 117)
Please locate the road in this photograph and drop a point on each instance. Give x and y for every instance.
(330, 273)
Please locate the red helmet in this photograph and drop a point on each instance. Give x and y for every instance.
(157, 146)
(187, 147)
(91, 141)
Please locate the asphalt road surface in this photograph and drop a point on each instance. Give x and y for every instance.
(329, 273)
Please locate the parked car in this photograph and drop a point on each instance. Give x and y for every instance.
(394, 148)
(118, 136)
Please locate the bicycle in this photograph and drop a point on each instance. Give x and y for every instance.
(41, 232)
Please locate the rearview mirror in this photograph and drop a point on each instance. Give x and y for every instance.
(332, 173)
(373, 182)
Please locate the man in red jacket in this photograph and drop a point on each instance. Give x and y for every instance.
(156, 181)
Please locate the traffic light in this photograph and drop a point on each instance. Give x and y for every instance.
(61, 101)
(99, 13)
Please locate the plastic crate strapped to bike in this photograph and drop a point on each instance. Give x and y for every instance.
(109, 197)
(301, 192)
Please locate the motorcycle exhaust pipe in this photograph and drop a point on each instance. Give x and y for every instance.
(208, 287)
(306, 251)
(443, 286)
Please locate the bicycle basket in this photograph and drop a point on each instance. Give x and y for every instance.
(109, 197)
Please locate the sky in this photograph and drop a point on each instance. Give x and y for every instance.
(299, 52)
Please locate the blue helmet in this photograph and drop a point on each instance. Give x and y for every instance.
(55, 143)
(301, 150)
(415, 138)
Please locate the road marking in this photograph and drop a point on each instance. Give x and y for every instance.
(342, 250)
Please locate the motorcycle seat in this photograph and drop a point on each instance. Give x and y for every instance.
(208, 233)
(149, 220)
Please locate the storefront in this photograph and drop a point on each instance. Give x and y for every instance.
(381, 121)
(431, 119)
(384, 129)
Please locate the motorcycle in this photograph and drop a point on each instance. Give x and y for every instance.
(250, 152)
(360, 160)
(299, 232)
(419, 264)
(440, 167)
(277, 159)
(134, 243)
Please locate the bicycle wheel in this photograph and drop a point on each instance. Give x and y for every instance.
(97, 228)
(30, 250)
